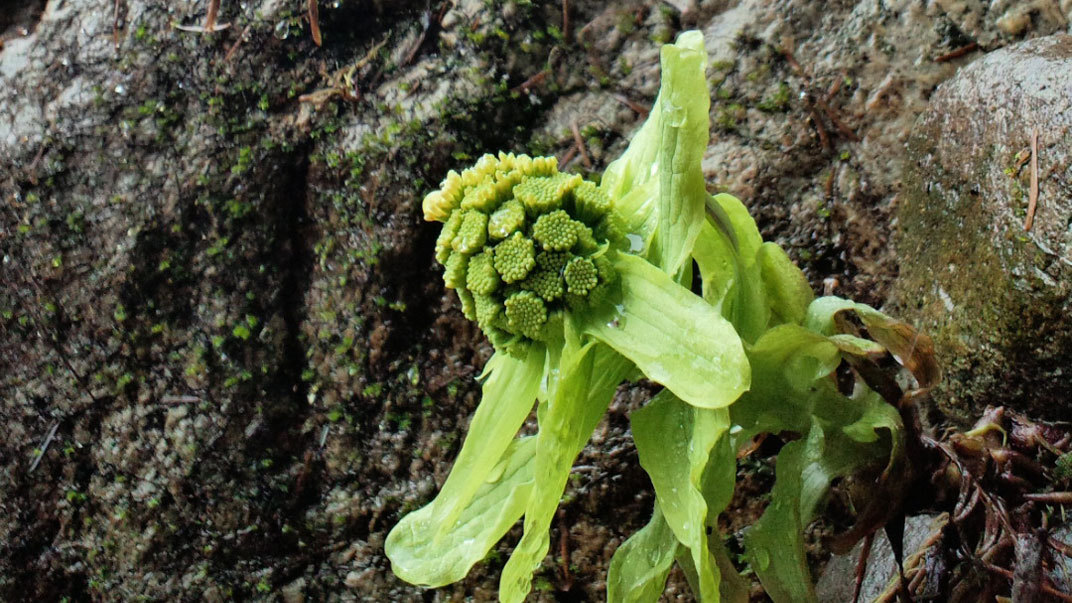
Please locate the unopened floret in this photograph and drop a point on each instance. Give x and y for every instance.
(581, 275)
(439, 204)
(587, 243)
(487, 308)
(589, 203)
(553, 261)
(547, 284)
(526, 313)
(543, 195)
(472, 233)
(445, 242)
(515, 257)
(555, 231)
(454, 271)
(481, 277)
(506, 220)
(612, 230)
(468, 305)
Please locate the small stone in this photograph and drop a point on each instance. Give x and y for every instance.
(1014, 22)
(356, 578)
(295, 591)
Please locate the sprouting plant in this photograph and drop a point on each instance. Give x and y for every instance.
(580, 287)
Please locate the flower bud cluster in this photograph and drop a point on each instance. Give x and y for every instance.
(522, 243)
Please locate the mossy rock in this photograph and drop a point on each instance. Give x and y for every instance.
(994, 295)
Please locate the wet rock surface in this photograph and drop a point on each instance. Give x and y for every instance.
(227, 362)
(996, 296)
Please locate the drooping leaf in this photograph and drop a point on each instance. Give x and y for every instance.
(639, 567)
(820, 315)
(674, 441)
(914, 350)
(790, 383)
(588, 377)
(673, 336)
(792, 392)
(857, 346)
(494, 508)
(425, 546)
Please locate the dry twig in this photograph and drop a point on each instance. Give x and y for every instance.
(210, 25)
(568, 157)
(564, 552)
(580, 145)
(314, 23)
(824, 138)
(115, 26)
(1032, 200)
(44, 446)
(534, 80)
(234, 47)
(565, 20)
(181, 399)
(1046, 588)
(861, 566)
(635, 106)
(1053, 498)
(210, 18)
(840, 125)
(426, 24)
(1021, 158)
(959, 52)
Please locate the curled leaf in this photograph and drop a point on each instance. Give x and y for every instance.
(666, 153)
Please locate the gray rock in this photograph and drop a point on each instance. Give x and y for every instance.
(839, 578)
(995, 296)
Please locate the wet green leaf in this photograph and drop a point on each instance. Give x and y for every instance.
(430, 546)
(673, 336)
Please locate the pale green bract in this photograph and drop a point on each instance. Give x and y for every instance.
(580, 288)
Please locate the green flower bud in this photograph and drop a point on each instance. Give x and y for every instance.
(515, 257)
(555, 231)
(526, 313)
(580, 275)
(522, 244)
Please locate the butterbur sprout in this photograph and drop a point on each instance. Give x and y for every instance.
(580, 287)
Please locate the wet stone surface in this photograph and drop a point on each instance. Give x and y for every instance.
(996, 297)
